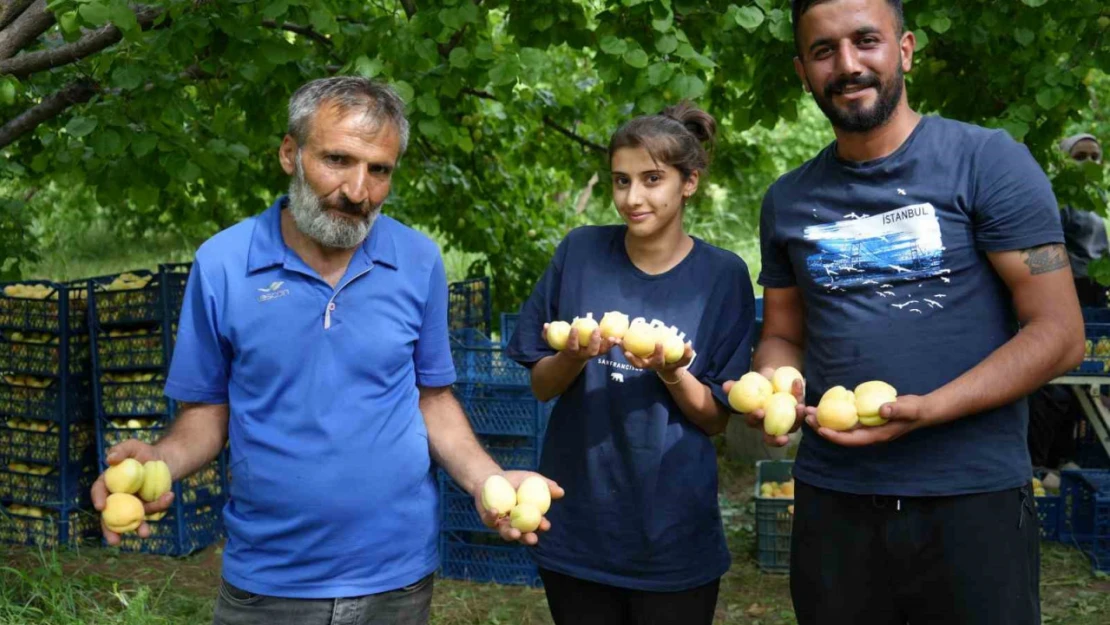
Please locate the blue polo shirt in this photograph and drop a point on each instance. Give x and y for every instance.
(332, 493)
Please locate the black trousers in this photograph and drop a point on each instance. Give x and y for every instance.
(576, 601)
(961, 560)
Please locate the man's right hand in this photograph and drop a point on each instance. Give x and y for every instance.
(596, 347)
(143, 452)
(754, 419)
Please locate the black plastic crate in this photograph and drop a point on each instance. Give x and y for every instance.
(133, 394)
(127, 298)
(1089, 450)
(58, 487)
(1048, 513)
(48, 399)
(774, 517)
(468, 305)
(114, 431)
(126, 350)
(41, 306)
(485, 557)
(184, 529)
(41, 442)
(43, 353)
(1085, 497)
(176, 276)
(46, 528)
(1096, 358)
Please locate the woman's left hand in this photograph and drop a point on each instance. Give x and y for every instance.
(657, 363)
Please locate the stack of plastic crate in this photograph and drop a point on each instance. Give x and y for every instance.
(47, 462)
(133, 325)
(1085, 514)
(774, 514)
(496, 395)
(468, 305)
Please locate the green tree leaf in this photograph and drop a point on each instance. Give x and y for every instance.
(81, 126)
(636, 58)
(749, 18)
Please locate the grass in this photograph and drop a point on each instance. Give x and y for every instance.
(98, 586)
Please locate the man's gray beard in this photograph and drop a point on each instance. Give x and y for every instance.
(313, 220)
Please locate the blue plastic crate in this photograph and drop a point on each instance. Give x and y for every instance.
(487, 365)
(774, 517)
(25, 441)
(508, 326)
(494, 413)
(468, 305)
(41, 306)
(522, 453)
(456, 507)
(66, 486)
(50, 530)
(486, 558)
(1085, 497)
(1048, 513)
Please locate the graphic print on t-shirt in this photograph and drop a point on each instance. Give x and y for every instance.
(881, 252)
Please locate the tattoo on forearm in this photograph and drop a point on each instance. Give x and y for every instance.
(1045, 258)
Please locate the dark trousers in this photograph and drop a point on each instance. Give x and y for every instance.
(576, 601)
(961, 560)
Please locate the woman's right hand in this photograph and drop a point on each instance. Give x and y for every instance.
(595, 348)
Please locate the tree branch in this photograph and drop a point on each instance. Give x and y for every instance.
(25, 29)
(51, 106)
(92, 42)
(410, 8)
(306, 31)
(11, 9)
(479, 94)
(550, 123)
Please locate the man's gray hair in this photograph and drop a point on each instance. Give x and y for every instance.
(378, 102)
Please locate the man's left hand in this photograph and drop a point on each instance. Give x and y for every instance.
(499, 519)
(904, 415)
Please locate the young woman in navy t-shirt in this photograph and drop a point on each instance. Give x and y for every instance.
(638, 536)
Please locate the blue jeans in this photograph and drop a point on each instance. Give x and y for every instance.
(405, 606)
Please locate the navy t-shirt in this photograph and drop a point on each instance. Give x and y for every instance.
(890, 258)
(640, 509)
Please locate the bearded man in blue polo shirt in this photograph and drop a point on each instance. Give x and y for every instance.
(314, 336)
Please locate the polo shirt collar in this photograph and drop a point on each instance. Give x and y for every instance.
(268, 248)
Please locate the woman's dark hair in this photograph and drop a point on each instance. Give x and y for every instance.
(674, 137)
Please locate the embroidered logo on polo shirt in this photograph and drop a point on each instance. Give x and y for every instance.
(272, 292)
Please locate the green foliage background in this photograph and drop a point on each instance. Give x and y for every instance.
(510, 102)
